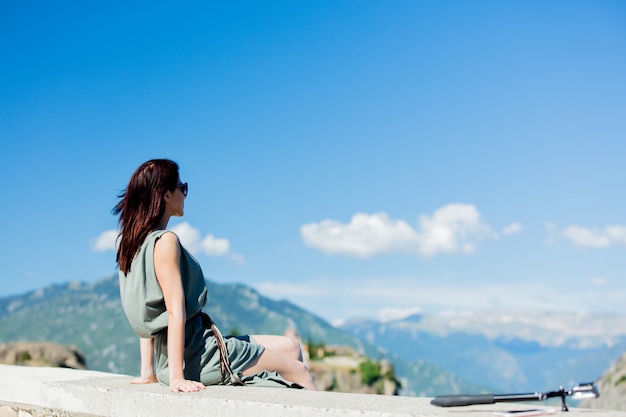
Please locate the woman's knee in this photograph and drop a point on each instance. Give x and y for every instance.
(283, 345)
(293, 349)
(288, 347)
(301, 366)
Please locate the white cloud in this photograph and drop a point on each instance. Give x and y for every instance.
(338, 322)
(364, 236)
(595, 238)
(106, 241)
(586, 237)
(451, 228)
(189, 237)
(214, 246)
(616, 233)
(512, 229)
(209, 245)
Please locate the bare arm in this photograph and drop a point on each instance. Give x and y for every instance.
(167, 268)
(146, 349)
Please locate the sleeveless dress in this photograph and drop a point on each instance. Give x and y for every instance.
(143, 303)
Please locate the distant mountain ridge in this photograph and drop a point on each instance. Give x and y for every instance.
(548, 328)
(90, 316)
(505, 350)
(497, 350)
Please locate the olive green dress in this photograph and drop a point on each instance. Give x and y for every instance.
(144, 306)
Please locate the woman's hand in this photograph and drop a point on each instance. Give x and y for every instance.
(185, 385)
(149, 379)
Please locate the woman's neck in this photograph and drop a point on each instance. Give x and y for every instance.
(162, 225)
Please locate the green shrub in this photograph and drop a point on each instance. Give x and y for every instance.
(370, 372)
(24, 356)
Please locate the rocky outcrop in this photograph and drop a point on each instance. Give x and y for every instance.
(41, 354)
(612, 387)
(342, 369)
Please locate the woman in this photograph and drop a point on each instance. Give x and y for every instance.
(163, 292)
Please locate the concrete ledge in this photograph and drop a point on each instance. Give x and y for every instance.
(66, 392)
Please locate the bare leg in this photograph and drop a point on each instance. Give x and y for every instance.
(281, 344)
(290, 369)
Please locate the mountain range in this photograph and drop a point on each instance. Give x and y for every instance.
(505, 350)
(433, 354)
(90, 316)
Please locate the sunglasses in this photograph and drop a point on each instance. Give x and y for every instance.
(183, 187)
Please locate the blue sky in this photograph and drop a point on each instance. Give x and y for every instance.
(355, 157)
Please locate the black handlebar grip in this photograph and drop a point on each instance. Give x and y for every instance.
(460, 400)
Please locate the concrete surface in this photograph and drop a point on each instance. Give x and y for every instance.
(35, 392)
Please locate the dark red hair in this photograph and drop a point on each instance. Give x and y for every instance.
(141, 206)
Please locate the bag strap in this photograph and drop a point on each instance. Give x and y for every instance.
(225, 368)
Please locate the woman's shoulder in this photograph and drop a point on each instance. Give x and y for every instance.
(160, 234)
(168, 236)
(166, 240)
